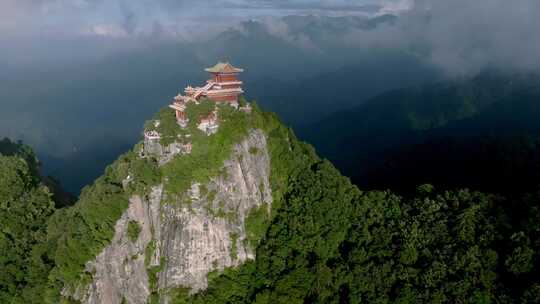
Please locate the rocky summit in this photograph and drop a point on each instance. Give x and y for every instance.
(187, 205)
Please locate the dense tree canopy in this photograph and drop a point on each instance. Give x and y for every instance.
(25, 205)
(325, 241)
(331, 243)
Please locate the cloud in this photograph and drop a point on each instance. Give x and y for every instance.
(462, 36)
(459, 36)
(310, 6)
(140, 16)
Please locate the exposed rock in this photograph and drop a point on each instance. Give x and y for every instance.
(164, 154)
(209, 124)
(199, 237)
(200, 231)
(119, 271)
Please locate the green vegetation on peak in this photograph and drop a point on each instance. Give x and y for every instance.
(208, 152)
(22, 151)
(256, 223)
(331, 243)
(133, 230)
(195, 112)
(10, 148)
(324, 241)
(77, 234)
(164, 122)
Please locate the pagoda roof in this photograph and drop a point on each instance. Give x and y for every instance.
(224, 67)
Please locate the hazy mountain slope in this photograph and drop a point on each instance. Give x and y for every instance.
(313, 26)
(496, 150)
(309, 100)
(69, 112)
(514, 113)
(360, 139)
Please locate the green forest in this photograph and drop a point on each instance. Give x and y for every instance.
(326, 240)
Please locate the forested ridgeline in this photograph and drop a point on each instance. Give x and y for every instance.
(332, 243)
(17, 149)
(479, 133)
(506, 165)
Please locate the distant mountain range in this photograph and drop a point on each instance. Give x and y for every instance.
(337, 25)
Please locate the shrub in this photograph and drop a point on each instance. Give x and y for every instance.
(133, 231)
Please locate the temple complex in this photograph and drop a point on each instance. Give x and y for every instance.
(179, 105)
(209, 124)
(222, 87)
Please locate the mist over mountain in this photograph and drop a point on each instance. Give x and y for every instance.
(75, 88)
(422, 184)
(75, 115)
(247, 213)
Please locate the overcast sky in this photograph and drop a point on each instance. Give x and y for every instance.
(177, 17)
(74, 45)
(461, 36)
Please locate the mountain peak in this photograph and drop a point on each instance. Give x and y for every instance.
(189, 202)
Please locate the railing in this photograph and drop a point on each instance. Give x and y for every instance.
(152, 135)
(203, 90)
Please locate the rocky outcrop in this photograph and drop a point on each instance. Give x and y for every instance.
(210, 233)
(120, 270)
(152, 147)
(187, 236)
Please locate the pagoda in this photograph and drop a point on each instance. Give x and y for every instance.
(222, 87)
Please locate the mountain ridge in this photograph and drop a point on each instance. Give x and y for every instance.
(322, 241)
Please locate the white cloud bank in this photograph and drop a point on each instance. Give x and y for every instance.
(463, 36)
(460, 36)
(176, 17)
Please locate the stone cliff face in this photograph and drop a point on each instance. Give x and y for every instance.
(120, 270)
(180, 239)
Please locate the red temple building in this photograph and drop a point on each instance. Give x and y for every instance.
(223, 87)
